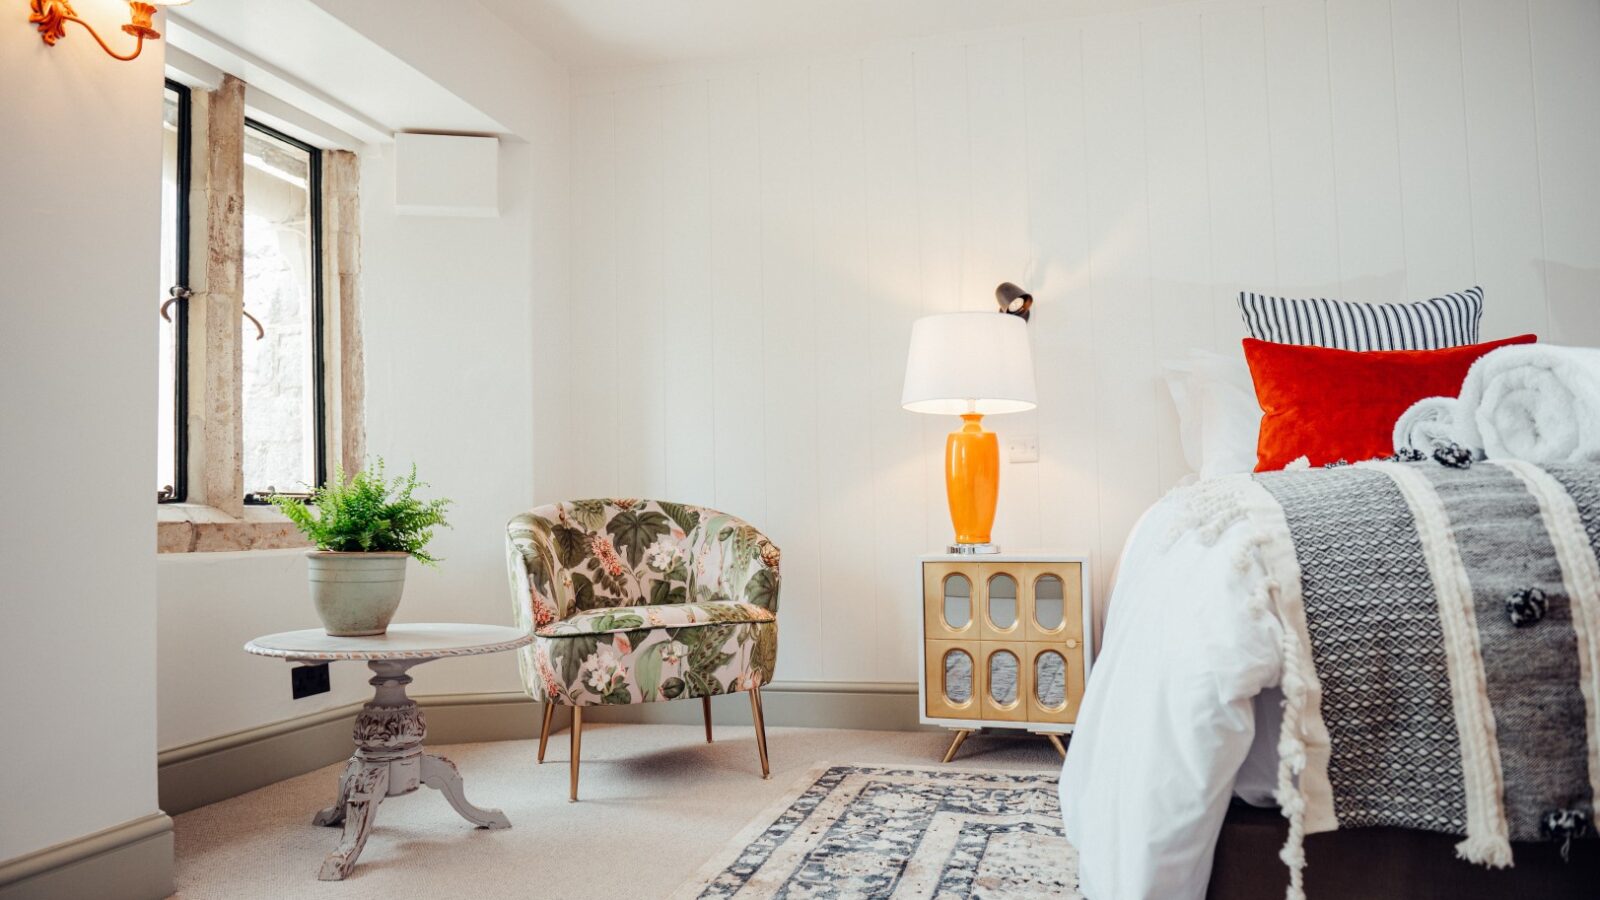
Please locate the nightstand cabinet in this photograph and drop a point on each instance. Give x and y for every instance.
(1005, 642)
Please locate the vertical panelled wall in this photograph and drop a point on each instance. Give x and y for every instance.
(752, 243)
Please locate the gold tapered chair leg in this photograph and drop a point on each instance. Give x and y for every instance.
(705, 705)
(961, 736)
(544, 729)
(577, 745)
(761, 730)
(1057, 742)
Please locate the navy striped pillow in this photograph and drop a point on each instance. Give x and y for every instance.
(1448, 321)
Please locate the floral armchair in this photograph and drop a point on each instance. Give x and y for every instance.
(639, 601)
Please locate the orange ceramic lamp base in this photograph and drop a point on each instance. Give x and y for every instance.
(972, 479)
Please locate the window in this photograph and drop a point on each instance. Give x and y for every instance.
(261, 376)
(171, 452)
(282, 376)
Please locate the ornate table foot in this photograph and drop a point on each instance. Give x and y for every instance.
(333, 816)
(366, 790)
(441, 775)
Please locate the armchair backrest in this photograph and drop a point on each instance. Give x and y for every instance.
(590, 554)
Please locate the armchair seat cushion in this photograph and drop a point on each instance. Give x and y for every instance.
(650, 664)
(612, 619)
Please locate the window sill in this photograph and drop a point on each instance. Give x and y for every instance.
(197, 528)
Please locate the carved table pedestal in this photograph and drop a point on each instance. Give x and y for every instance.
(389, 760)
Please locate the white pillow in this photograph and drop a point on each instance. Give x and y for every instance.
(1219, 419)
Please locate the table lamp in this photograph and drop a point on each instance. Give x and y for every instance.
(970, 364)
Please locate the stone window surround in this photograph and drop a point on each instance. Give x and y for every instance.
(214, 516)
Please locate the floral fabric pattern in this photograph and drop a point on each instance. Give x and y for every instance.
(637, 601)
(653, 664)
(627, 618)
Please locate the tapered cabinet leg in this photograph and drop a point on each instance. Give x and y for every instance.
(705, 706)
(761, 730)
(544, 730)
(1056, 742)
(960, 738)
(577, 746)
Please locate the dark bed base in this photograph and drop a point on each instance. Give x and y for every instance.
(1384, 863)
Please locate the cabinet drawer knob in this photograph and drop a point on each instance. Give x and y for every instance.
(1072, 643)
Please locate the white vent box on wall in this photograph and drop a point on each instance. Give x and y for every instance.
(446, 175)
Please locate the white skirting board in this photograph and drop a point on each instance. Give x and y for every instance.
(133, 860)
(212, 770)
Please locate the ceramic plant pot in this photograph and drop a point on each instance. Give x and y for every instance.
(356, 594)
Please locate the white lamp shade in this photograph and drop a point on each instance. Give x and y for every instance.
(969, 362)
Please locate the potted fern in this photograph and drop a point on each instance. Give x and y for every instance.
(364, 528)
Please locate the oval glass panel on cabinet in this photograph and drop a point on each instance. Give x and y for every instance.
(1054, 602)
(958, 677)
(950, 601)
(957, 602)
(1048, 603)
(1001, 606)
(1050, 680)
(1058, 679)
(1006, 681)
(953, 683)
(1003, 670)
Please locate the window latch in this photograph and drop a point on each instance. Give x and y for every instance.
(180, 292)
(174, 294)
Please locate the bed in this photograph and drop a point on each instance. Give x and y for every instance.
(1182, 754)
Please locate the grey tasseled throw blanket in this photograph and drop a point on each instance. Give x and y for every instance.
(1441, 648)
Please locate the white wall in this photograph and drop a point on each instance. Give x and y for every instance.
(752, 241)
(449, 385)
(80, 161)
(210, 605)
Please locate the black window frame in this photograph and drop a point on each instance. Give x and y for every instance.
(179, 291)
(318, 340)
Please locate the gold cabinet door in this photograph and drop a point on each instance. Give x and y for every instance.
(1004, 665)
(947, 696)
(1050, 587)
(1002, 601)
(944, 617)
(1057, 681)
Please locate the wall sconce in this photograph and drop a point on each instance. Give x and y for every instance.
(52, 17)
(1014, 300)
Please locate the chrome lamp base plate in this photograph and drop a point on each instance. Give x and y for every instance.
(973, 549)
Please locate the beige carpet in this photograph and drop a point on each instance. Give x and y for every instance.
(657, 802)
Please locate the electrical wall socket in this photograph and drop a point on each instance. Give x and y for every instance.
(307, 681)
(1023, 449)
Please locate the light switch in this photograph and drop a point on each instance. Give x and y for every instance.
(1023, 449)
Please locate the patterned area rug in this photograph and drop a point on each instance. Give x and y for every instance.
(867, 831)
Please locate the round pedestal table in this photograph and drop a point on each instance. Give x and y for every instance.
(389, 760)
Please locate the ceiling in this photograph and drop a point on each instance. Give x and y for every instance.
(600, 34)
(302, 55)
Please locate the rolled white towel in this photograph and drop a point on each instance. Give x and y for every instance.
(1427, 424)
(1535, 402)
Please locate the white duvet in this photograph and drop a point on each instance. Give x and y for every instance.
(1168, 728)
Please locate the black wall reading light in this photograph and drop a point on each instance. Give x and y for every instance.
(1013, 300)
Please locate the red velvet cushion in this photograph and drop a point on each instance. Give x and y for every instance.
(1329, 405)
